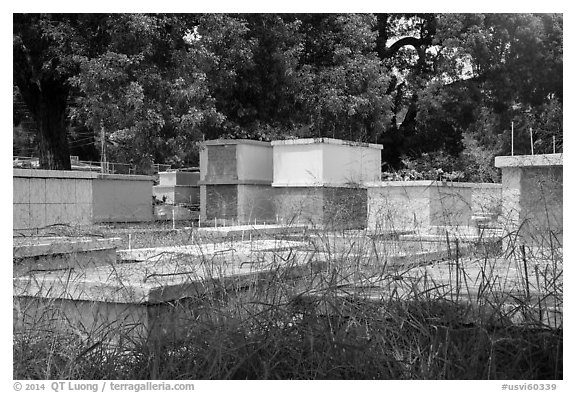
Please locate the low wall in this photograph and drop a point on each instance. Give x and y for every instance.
(44, 197)
(487, 199)
(421, 205)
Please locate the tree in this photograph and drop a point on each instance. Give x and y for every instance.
(344, 83)
(441, 86)
(44, 47)
(454, 71)
(162, 84)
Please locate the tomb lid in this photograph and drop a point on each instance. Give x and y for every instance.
(429, 183)
(58, 174)
(541, 160)
(36, 246)
(216, 142)
(54, 174)
(158, 281)
(310, 141)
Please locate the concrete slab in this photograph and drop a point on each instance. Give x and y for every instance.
(36, 254)
(156, 281)
(485, 289)
(248, 230)
(146, 302)
(34, 246)
(208, 249)
(56, 174)
(545, 160)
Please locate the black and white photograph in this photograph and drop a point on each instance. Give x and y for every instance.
(328, 196)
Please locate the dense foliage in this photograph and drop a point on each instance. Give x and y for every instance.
(438, 90)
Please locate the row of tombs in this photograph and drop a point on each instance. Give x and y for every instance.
(108, 293)
(336, 184)
(321, 182)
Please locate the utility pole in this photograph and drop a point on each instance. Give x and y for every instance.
(103, 148)
(512, 145)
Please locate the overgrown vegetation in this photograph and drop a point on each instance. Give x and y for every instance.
(354, 313)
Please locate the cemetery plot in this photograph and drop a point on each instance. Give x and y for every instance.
(152, 299)
(489, 291)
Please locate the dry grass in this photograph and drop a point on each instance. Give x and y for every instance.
(353, 313)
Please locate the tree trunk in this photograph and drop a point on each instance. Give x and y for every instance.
(47, 103)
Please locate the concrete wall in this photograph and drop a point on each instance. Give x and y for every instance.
(256, 202)
(297, 165)
(254, 162)
(42, 198)
(422, 205)
(229, 161)
(541, 203)
(328, 207)
(487, 199)
(351, 163)
(220, 202)
(324, 162)
(122, 198)
(532, 199)
(398, 206)
(221, 164)
(450, 205)
(239, 203)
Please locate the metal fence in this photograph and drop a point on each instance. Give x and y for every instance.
(90, 166)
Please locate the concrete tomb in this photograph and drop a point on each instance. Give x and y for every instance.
(178, 188)
(321, 181)
(156, 295)
(532, 199)
(235, 179)
(44, 197)
(180, 193)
